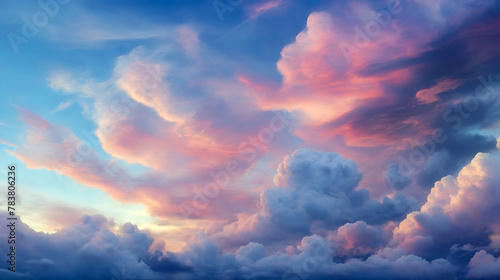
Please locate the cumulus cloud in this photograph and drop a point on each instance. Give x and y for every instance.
(358, 239)
(88, 249)
(311, 258)
(394, 178)
(458, 211)
(315, 190)
(323, 185)
(483, 265)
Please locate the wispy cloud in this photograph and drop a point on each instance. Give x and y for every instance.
(63, 105)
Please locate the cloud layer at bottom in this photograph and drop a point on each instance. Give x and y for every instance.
(452, 235)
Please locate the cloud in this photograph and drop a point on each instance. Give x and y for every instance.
(260, 8)
(88, 249)
(429, 95)
(312, 259)
(458, 211)
(394, 178)
(57, 148)
(63, 105)
(358, 239)
(483, 265)
(314, 190)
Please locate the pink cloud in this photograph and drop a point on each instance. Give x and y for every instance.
(57, 148)
(265, 6)
(429, 95)
(318, 80)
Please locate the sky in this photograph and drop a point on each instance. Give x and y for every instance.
(251, 139)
